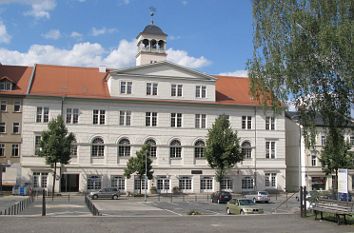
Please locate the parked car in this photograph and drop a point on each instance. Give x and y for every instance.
(258, 196)
(243, 206)
(112, 193)
(221, 197)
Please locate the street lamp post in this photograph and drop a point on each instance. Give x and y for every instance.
(145, 196)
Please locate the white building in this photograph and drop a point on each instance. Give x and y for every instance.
(310, 173)
(114, 112)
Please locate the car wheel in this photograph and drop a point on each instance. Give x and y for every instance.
(267, 202)
(228, 211)
(242, 213)
(94, 197)
(115, 197)
(254, 200)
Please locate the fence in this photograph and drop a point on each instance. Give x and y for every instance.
(92, 207)
(18, 207)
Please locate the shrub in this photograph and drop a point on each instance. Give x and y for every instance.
(153, 190)
(175, 190)
(194, 212)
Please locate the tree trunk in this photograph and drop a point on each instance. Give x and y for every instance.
(140, 185)
(336, 184)
(54, 177)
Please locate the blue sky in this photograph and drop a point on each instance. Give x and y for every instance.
(212, 36)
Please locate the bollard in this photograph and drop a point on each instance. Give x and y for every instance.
(195, 198)
(171, 197)
(43, 204)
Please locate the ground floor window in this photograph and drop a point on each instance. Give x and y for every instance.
(226, 184)
(139, 183)
(270, 180)
(185, 183)
(40, 179)
(118, 182)
(206, 184)
(318, 183)
(247, 182)
(163, 184)
(94, 182)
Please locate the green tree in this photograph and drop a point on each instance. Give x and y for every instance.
(303, 54)
(137, 165)
(335, 154)
(223, 149)
(55, 145)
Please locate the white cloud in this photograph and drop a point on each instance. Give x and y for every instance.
(184, 3)
(101, 31)
(182, 58)
(40, 8)
(53, 34)
(4, 36)
(172, 37)
(76, 35)
(237, 73)
(91, 54)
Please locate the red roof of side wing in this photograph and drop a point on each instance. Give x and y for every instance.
(69, 81)
(233, 90)
(18, 75)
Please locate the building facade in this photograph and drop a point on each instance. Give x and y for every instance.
(170, 107)
(307, 171)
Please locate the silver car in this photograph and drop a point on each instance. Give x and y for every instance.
(112, 193)
(258, 196)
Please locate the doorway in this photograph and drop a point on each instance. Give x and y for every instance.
(69, 183)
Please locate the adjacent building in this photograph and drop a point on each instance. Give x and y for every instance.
(113, 112)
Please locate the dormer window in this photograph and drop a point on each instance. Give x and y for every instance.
(200, 91)
(5, 86)
(125, 87)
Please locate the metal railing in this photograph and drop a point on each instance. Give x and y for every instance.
(92, 207)
(18, 207)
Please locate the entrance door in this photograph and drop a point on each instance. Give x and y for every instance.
(163, 185)
(69, 183)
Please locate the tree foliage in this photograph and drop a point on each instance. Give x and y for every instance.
(137, 164)
(55, 144)
(303, 54)
(335, 153)
(223, 149)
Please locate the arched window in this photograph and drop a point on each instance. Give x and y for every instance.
(175, 149)
(246, 149)
(124, 148)
(199, 148)
(97, 147)
(152, 145)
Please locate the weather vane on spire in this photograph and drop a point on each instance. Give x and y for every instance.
(152, 13)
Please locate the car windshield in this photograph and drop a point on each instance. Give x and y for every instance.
(246, 202)
(263, 193)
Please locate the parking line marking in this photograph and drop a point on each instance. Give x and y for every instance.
(173, 212)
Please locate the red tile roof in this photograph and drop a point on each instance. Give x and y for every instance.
(18, 75)
(69, 81)
(233, 90)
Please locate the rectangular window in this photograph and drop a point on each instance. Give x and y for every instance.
(72, 115)
(118, 182)
(226, 184)
(351, 139)
(151, 89)
(2, 150)
(15, 150)
(35, 177)
(246, 122)
(16, 128)
(124, 118)
(41, 177)
(73, 150)
(176, 120)
(185, 183)
(270, 150)
(151, 119)
(139, 183)
(125, 87)
(42, 114)
(2, 127)
(323, 140)
(99, 117)
(270, 123)
(176, 90)
(313, 160)
(270, 180)
(200, 91)
(3, 106)
(37, 144)
(200, 121)
(94, 182)
(44, 179)
(206, 184)
(17, 106)
(247, 182)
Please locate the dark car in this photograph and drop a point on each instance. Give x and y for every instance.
(221, 197)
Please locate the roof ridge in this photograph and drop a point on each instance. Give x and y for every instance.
(66, 66)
